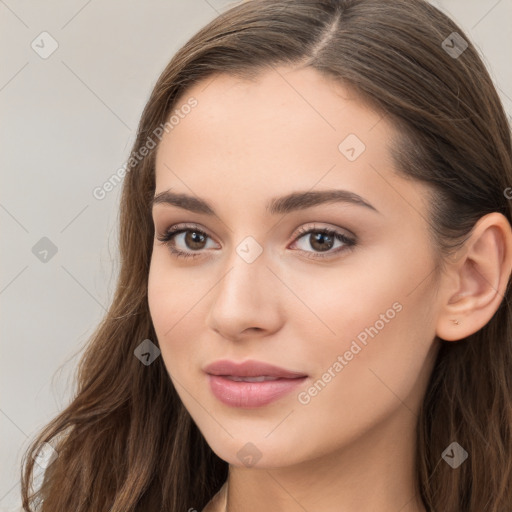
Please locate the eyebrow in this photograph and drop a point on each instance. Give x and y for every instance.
(277, 205)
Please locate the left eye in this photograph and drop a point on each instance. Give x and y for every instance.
(321, 240)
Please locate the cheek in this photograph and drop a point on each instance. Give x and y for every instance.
(345, 303)
(176, 303)
(171, 291)
(371, 309)
(178, 310)
(375, 361)
(160, 299)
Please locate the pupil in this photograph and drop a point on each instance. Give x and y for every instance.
(194, 238)
(321, 238)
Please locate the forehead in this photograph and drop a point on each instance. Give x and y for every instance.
(276, 107)
(287, 129)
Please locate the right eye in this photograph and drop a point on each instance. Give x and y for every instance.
(189, 236)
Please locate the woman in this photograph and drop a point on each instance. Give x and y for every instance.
(312, 309)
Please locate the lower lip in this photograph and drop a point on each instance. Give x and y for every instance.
(251, 394)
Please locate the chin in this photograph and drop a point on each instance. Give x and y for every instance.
(254, 451)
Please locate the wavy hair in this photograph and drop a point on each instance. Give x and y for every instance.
(125, 442)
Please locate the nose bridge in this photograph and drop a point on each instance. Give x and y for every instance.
(245, 277)
(245, 296)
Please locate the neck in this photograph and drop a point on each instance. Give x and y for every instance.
(375, 472)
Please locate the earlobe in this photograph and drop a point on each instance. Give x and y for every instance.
(478, 280)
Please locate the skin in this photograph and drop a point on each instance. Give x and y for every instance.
(352, 446)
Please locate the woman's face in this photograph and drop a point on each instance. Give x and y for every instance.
(352, 309)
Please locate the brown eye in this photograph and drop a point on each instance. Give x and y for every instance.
(195, 240)
(321, 241)
(185, 241)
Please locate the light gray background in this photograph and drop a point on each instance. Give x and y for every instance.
(68, 122)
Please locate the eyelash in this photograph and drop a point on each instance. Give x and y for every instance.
(168, 236)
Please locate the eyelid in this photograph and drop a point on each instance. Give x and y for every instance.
(322, 226)
(186, 226)
(301, 230)
(349, 241)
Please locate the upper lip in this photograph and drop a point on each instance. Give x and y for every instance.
(250, 369)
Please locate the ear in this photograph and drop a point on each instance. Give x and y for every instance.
(476, 281)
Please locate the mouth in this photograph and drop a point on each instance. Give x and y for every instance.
(250, 369)
(251, 392)
(251, 384)
(263, 378)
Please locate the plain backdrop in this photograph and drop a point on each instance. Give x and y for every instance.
(68, 121)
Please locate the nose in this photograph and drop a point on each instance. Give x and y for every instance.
(245, 302)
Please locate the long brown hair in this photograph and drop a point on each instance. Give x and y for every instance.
(126, 442)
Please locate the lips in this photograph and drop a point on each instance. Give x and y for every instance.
(252, 383)
(250, 368)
